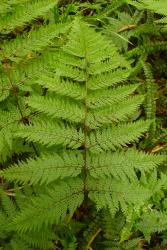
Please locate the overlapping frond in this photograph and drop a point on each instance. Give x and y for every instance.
(152, 221)
(25, 46)
(51, 207)
(110, 194)
(25, 13)
(158, 7)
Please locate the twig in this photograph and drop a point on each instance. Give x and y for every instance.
(127, 27)
(88, 247)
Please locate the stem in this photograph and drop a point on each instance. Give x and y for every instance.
(85, 124)
(85, 138)
(92, 239)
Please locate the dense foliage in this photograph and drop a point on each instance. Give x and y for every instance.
(83, 124)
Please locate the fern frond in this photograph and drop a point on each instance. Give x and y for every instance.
(25, 14)
(8, 123)
(108, 79)
(110, 194)
(46, 168)
(52, 134)
(158, 7)
(7, 204)
(4, 88)
(5, 7)
(17, 244)
(84, 104)
(105, 97)
(115, 113)
(76, 46)
(51, 207)
(117, 136)
(35, 41)
(40, 240)
(122, 165)
(62, 87)
(153, 221)
(57, 109)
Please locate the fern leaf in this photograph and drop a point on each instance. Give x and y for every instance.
(107, 97)
(117, 136)
(34, 41)
(151, 222)
(63, 88)
(51, 134)
(40, 240)
(25, 14)
(109, 194)
(122, 165)
(51, 207)
(150, 104)
(84, 103)
(57, 109)
(46, 169)
(115, 113)
(108, 79)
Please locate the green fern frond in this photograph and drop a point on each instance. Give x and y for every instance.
(110, 194)
(17, 244)
(155, 6)
(8, 123)
(117, 136)
(62, 87)
(122, 165)
(7, 204)
(151, 222)
(84, 104)
(50, 208)
(52, 134)
(115, 113)
(107, 97)
(46, 169)
(39, 240)
(7, 6)
(153, 48)
(25, 14)
(55, 108)
(26, 46)
(4, 89)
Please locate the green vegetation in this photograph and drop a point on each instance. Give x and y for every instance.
(83, 125)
